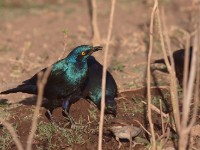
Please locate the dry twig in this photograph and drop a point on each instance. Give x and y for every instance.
(142, 127)
(187, 124)
(153, 142)
(161, 116)
(95, 29)
(42, 79)
(104, 75)
(154, 108)
(173, 83)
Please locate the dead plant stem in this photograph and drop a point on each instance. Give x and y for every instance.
(104, 75)
(173, 83)
(42, 79)
(153, 142)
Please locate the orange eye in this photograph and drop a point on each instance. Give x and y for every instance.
(83, 53)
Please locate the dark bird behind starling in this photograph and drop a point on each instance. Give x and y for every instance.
(179, 57)
(93, 90)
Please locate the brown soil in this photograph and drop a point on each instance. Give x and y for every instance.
(80, 109)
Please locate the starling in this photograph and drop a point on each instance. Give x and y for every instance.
(64, 81)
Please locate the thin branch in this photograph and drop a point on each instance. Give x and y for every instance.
(95, 29)
(185, 79)
(104, 75)
(149, 75)
(42, 79)
(167, 134)
(197, 89)
(154, 108)
(142, 127)
(162, 122)
(190, 86)
(136, 89)
(196, 71)
(13, 133)
(173, 83)
(193, 74)
(186, 65)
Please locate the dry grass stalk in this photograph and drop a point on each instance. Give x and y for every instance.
(161, 116)
(142, 127)
(196, 97)
(188, 96)
(154, 108)
(165, 137)
(13, 133)
(186, 65)
(96, 35)
(136, 89)
(42, 79)
(153, 142)
(104, 75)
(173, 81)
(185, 87)
(194, 73)
(182, 125)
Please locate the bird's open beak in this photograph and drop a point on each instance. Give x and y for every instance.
(96, 48)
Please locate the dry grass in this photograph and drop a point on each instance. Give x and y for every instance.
(42, 79)
(104, 75)
(153, 139)
(182, 126)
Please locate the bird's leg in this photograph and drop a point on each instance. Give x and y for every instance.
(49, 112)
(49, 115)
(65, 107)
(130, 143)
(120, 144)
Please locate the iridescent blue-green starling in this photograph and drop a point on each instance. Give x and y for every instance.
(92, 87)
(179, 57)
(64, 81)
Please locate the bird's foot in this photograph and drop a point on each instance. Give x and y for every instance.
(120, 144)
(70, 119)
(136, 143)
(50, 117)
(130, 147)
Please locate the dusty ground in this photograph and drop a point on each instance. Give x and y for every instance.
(31, 38)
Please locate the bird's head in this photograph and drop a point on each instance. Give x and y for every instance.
(82, 53)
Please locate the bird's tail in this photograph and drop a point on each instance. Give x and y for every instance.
(160, 61)
(30, 89)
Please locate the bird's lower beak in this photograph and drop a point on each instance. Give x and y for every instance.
(96, 48)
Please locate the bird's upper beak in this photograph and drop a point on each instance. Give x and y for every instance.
(96, 48)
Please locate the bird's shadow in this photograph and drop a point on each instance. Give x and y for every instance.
(29, 101)
(4, 102)
(32, 100)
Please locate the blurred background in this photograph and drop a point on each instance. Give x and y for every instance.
(35, 33)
